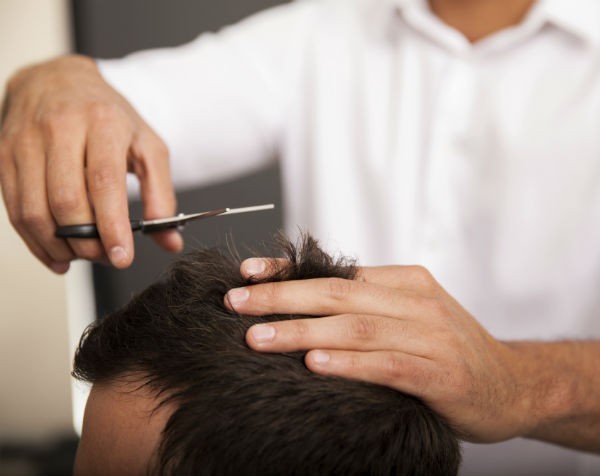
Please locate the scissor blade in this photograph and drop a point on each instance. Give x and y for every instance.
(256, 208)
(149, 226)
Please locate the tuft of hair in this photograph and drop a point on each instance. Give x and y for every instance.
(240, 412)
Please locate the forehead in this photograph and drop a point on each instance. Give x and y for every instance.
(121, 430)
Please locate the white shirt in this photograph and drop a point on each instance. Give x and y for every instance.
(401, 142)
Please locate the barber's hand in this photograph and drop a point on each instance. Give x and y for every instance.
(397, 327)
(67, 140)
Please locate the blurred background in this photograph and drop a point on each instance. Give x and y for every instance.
(35, 405)
(42, 315)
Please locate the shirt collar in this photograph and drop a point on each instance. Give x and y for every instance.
(580, 18)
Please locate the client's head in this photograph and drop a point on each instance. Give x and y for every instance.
(177, 391)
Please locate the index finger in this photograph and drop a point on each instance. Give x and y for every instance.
(320, 297)
(106, 155)
(407, 277)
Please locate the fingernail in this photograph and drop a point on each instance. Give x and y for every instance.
(59, 268)
(262, 332)
(118, 256)
(254, 266)
(319, 357)
(237, 296)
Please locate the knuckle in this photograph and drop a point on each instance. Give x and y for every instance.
(55, 121)
(270, 294)
(32, 218)
(433, 306)
(15, 217)
(265, 297)
(149, 153)
(396, 369)
(64, 200)
(451, 344)
(104, 112)
(23, 140)
(339, 289)
(102, 179)
(362, 328)
(422, 274)
(300, 330)
(425, 280)
(161, 151)
(149, 145)
(354, 362)
(393, 368)
(89, 251)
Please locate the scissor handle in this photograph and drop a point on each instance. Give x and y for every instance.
(88, 230)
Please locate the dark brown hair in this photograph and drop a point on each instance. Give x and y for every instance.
(240, 412)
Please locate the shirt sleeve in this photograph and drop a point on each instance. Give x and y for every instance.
(218, 101)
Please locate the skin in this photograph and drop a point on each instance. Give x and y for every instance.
(396, 326)
(66, 143)
(121, 431)
(476, 19)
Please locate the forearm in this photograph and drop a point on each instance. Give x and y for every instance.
(561, 388)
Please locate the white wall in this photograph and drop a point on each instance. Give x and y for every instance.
(34, 356)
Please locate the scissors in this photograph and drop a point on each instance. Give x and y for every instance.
(90, 230)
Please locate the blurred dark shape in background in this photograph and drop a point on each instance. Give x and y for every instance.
(53, 457)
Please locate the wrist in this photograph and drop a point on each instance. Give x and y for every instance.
(547, 387)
